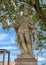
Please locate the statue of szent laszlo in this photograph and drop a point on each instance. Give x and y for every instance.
(26, 32)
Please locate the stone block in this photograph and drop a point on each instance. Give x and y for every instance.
(25, 61)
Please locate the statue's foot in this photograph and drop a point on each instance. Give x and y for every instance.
(31, 54)
(23, 53)
(28, 53)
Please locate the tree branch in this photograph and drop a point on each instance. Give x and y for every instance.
(39, 11)
(37, 8)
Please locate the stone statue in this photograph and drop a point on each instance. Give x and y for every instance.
(25, 32)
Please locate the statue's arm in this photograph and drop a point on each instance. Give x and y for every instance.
(16, 24)
(32, 28)
(30, 23)
(12, 25)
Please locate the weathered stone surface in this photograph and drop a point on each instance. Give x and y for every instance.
(25, 61)
(25, 56)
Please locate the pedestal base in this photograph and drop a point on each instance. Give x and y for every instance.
(25, 61)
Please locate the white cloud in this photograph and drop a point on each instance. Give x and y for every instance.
(12, 39)
(3, 36)
(7, 42)
(41, 58)
(9, 47)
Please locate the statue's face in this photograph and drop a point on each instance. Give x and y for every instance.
(26, 11)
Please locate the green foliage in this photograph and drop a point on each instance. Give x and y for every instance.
(43, 25)
(44, 64)
(33, 1)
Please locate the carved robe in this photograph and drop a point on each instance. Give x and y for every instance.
(26, 34)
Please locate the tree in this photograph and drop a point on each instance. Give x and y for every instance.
(9, 10)
(44, 64)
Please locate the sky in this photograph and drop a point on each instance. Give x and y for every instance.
(7, 42)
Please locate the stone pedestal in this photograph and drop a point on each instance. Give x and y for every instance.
(25, 61)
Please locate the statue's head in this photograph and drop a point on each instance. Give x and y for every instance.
(26, 10)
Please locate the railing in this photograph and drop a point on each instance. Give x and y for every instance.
(4, 51)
